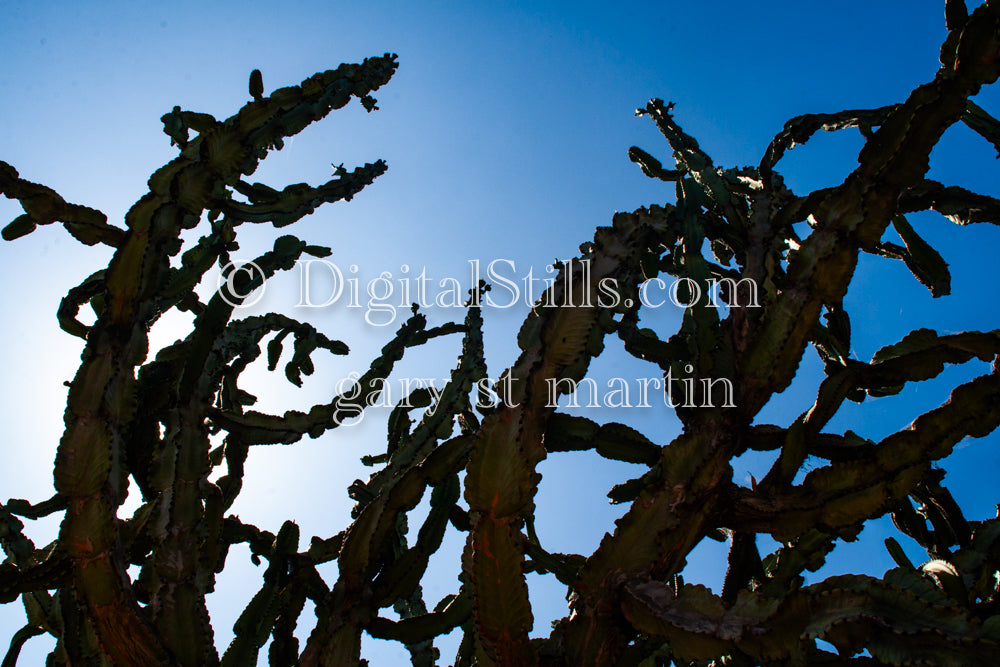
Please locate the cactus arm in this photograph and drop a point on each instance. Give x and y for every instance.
(78, 641)
(17, 641)
(195, 262)
(28, 571)
(645, 344)
(416, 629)
(800, 129)
(923, 261)
(557, 343)
(651, 166)
(289, 580)
(69, 307)
(398, 583)
(299, 200)
(23, 508)
(43, 206)
(244, 337)
(178, 607)
(899, 620)
(961, 206)
(336, 639)
(664, 523)
(50, 572)
(437, 422)
(304, 583)
(613, 441)
(784, 568)
(982, 123)
(211, 323)
(366, 572)
(744, 566)
(843, 493)
(259, 428)
(255, 623)
(693, 161)
(919, 356)
(564, 567)
(950, 526)
(399, 578)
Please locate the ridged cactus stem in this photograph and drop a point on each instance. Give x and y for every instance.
(179, 611)
(558, 342)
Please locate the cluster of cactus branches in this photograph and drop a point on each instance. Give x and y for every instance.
(131, 420)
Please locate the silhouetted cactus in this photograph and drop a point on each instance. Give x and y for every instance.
(149, 421)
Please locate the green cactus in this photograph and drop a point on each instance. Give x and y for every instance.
(150, 421)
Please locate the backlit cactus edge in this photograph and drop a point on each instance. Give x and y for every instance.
(130, 419)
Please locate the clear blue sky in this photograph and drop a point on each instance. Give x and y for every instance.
(505, 130)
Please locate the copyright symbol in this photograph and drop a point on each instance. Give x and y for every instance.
(232, 294)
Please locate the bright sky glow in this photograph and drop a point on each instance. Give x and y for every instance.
(505, 129)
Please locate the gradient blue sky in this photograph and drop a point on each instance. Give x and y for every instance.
(505, 130)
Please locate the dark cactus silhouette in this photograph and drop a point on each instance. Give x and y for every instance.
(134, 420)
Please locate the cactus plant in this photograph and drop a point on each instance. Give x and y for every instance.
(131, 419)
